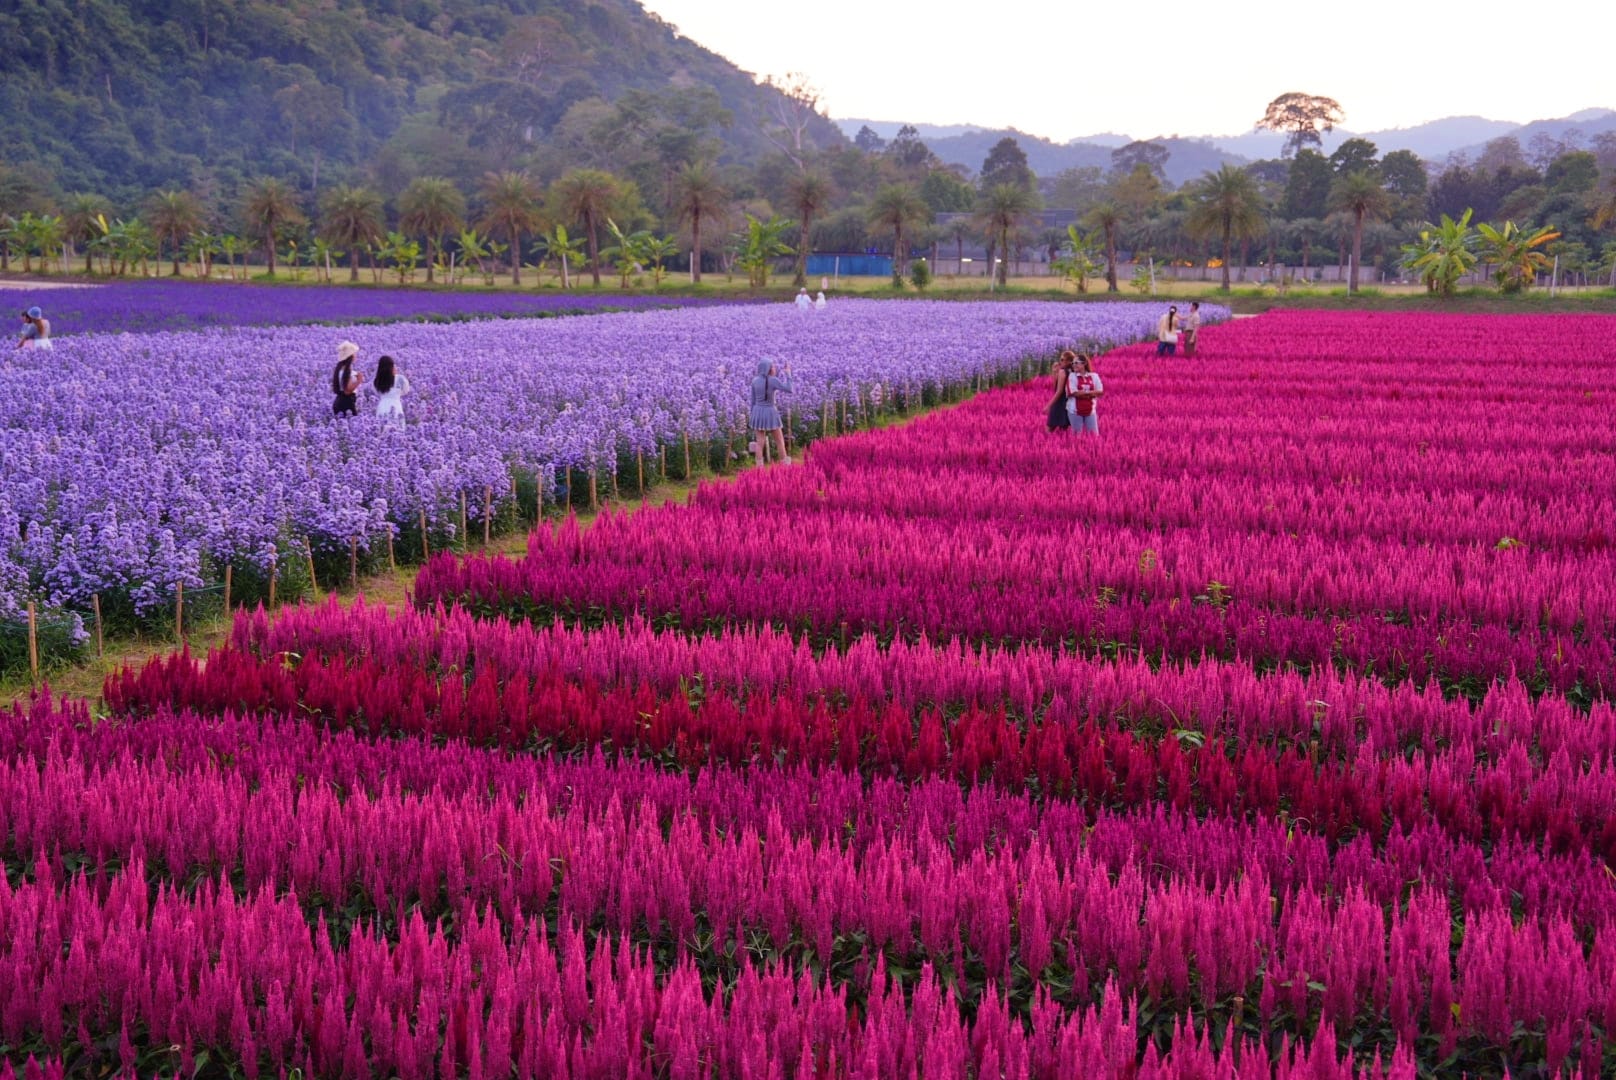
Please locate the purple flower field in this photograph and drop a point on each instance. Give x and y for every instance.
(186, 305)
(135, 462)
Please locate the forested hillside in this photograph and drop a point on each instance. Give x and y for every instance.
(124, 96)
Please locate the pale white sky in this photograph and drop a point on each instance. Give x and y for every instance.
(1062, 68)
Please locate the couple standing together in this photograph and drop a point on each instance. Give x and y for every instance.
(1169, 326)
(390, 385)
(1077, 393)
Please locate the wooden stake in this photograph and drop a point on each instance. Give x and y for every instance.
(488, 514)
(228, 567)
(95, 605)
(639, 461)
(662, 459)
(314, 583)
(33, 642)
(687, 454)
(465, 541)
(179, 611)
(353, 563)
(594, 498)
(426, 551)
(274, 572)
(392, 563)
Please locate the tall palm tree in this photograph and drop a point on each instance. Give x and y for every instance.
(897, 208)
(1107, 217)
(511, 209)
(1227, 204)
(271, 208)
(1000, 211)
(430, 207)
(352, 218)
(1359, 194)
(807, 194)
(586, 196)
(80, 222)
(173, 216)
(698, 197)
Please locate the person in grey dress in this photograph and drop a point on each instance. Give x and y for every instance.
(765, 414)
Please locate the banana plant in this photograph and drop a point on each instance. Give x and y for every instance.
(230, 246)
(627, 252)
(1443, 254)
(1515, 251)
(658, 250)
(563, 248)
(403, 252)
(322, 254)
(473, 248)
(1080, 259)
(758, 247)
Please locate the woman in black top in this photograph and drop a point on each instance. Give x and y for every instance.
(345, 381)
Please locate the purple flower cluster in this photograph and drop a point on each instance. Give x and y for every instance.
(146, 306)
(134, 462)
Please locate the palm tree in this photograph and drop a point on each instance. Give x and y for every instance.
(511, 208)
(586, 196)
(1227, 204)
(698, 197)
(430, 207)
(79, 223)
(1359, 194)
(1107, 217)
(1000, 211)
(808, 194)
(352, 218)
(270, 209)
(1306, 231)
(896, 208)
(174, 215)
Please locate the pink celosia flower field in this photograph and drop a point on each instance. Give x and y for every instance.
(1268, 735)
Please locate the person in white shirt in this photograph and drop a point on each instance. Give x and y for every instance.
(35, 331)
(1167, 328)
(1083, 390)
(391, 386)
(804, 301)
(819, 301)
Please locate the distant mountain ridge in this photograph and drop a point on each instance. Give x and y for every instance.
(1434, 141)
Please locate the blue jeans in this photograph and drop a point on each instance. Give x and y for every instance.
(1082, 425)
(1166, 348)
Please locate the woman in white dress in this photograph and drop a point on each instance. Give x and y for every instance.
(391, 386)
(35, 331)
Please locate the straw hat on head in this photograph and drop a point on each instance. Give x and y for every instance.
(347, 351)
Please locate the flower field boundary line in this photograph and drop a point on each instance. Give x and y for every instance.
(507, 420)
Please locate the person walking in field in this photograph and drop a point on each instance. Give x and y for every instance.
(391, 386)
(345, 381)
(1058, 418)
(35, 330)
(1192, 328)
(1083, 390)
(765, 415)
(1167, 333)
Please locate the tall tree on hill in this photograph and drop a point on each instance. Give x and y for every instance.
(898, 208)
(79, 222)
(174, 215)
(352, 218)
(1360, 195)
(1227, 205)
(270, 210)
(1307, 187)
(791, 110)
(430, 207)
(1152, 155)
(1304, 118)
(511, 209)
(809, 195)
(698, 198)
(1107, 218)
(1006, 163)
(586, 196)
(1001, 210)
